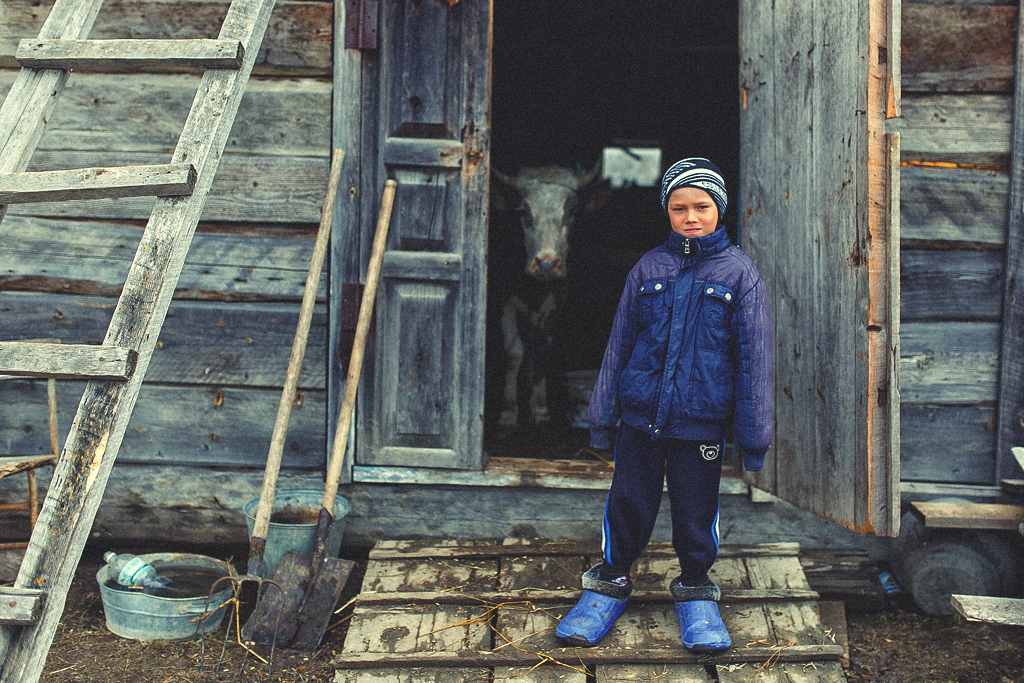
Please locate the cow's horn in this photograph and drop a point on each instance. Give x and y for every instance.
(585, 180)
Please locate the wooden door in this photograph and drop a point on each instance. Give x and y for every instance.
(819, 213)
(423, 120)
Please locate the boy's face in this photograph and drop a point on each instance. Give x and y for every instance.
(692, 212)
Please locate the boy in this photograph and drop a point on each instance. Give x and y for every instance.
(690, 350)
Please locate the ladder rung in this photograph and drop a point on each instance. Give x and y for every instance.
(128, 54)
(163, 180)
(20, 606)
(67, 361)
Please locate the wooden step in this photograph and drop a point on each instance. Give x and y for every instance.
(129, 55)
(159, 180)
(537, 595)
(67, 361)
(20, 606)
(968, 515)
(1008, 611)
(490, 608)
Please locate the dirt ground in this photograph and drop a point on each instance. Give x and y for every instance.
(888, 646)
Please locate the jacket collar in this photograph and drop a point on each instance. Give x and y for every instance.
(701, 246)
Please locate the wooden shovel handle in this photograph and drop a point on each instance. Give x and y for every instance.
(355, 363)
(291, 382)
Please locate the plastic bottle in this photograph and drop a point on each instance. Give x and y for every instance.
(893, 591)
(134, 572)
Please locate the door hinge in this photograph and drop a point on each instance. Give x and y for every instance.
(361, 24)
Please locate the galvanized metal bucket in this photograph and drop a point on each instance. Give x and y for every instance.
(303, 504)
(142, 616)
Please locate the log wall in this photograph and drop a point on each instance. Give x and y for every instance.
(213, 386)
(958, 80)
(212, 389)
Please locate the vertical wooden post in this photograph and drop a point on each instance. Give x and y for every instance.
(1011, 358)
(346, 133)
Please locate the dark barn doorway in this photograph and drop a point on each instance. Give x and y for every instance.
(569, 79)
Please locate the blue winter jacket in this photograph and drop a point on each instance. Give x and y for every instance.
(690, 349)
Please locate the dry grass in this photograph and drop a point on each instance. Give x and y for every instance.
(904, 647)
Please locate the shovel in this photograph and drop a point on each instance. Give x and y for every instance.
(297, 616)
(258, 544)
(256, 571)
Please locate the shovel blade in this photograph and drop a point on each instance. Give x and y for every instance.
(315, 612)
(274, 619)
(296, 616)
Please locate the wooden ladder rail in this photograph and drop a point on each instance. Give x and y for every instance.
(36, 600)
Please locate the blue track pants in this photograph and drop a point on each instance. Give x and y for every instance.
(693, 470)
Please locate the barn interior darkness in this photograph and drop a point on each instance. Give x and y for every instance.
(570, 78)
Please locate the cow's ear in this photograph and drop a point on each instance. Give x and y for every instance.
(503, 194)
(595, 195)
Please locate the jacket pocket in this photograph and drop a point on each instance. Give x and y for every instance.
(716, 306)
(653, 302)
(712, 385)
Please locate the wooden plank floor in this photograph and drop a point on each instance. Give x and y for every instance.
(472, 610)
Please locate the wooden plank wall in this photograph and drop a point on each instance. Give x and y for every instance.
(212, 390)
(958, 80)
(61, 265)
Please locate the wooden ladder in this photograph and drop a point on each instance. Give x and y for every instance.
(31, 609)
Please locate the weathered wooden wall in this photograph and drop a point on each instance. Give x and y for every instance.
(213, 386)
(958, 80)
(212, 390)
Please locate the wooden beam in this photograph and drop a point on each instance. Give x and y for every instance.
(67, 361)
(103, 115)
(570, 595)
(968, 515)
(298, 40)
(129, 55)
(162, 180)
(20, 606)
(961, 285)
(1007, 611)
(240, 192)
(952, 444)
(958, 47)
(953, 204)
(403, 550)
(347, 241)
(1010, 424)
(78, 483)
(952, 363)
(573, 657)
(211, 343)
(227, 426)
(948, 125)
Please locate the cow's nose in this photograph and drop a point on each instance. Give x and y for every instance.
(547, 266)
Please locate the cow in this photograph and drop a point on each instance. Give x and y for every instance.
(552, 200)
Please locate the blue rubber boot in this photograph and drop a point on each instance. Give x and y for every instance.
(700, 622)
(597, 609)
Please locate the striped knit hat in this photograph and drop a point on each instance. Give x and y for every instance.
(695, 172)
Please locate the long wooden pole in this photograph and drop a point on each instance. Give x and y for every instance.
(291, 382)
(355, 363)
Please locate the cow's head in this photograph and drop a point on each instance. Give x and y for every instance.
(551, 199)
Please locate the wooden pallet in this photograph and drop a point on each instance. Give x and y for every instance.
(475, 610)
